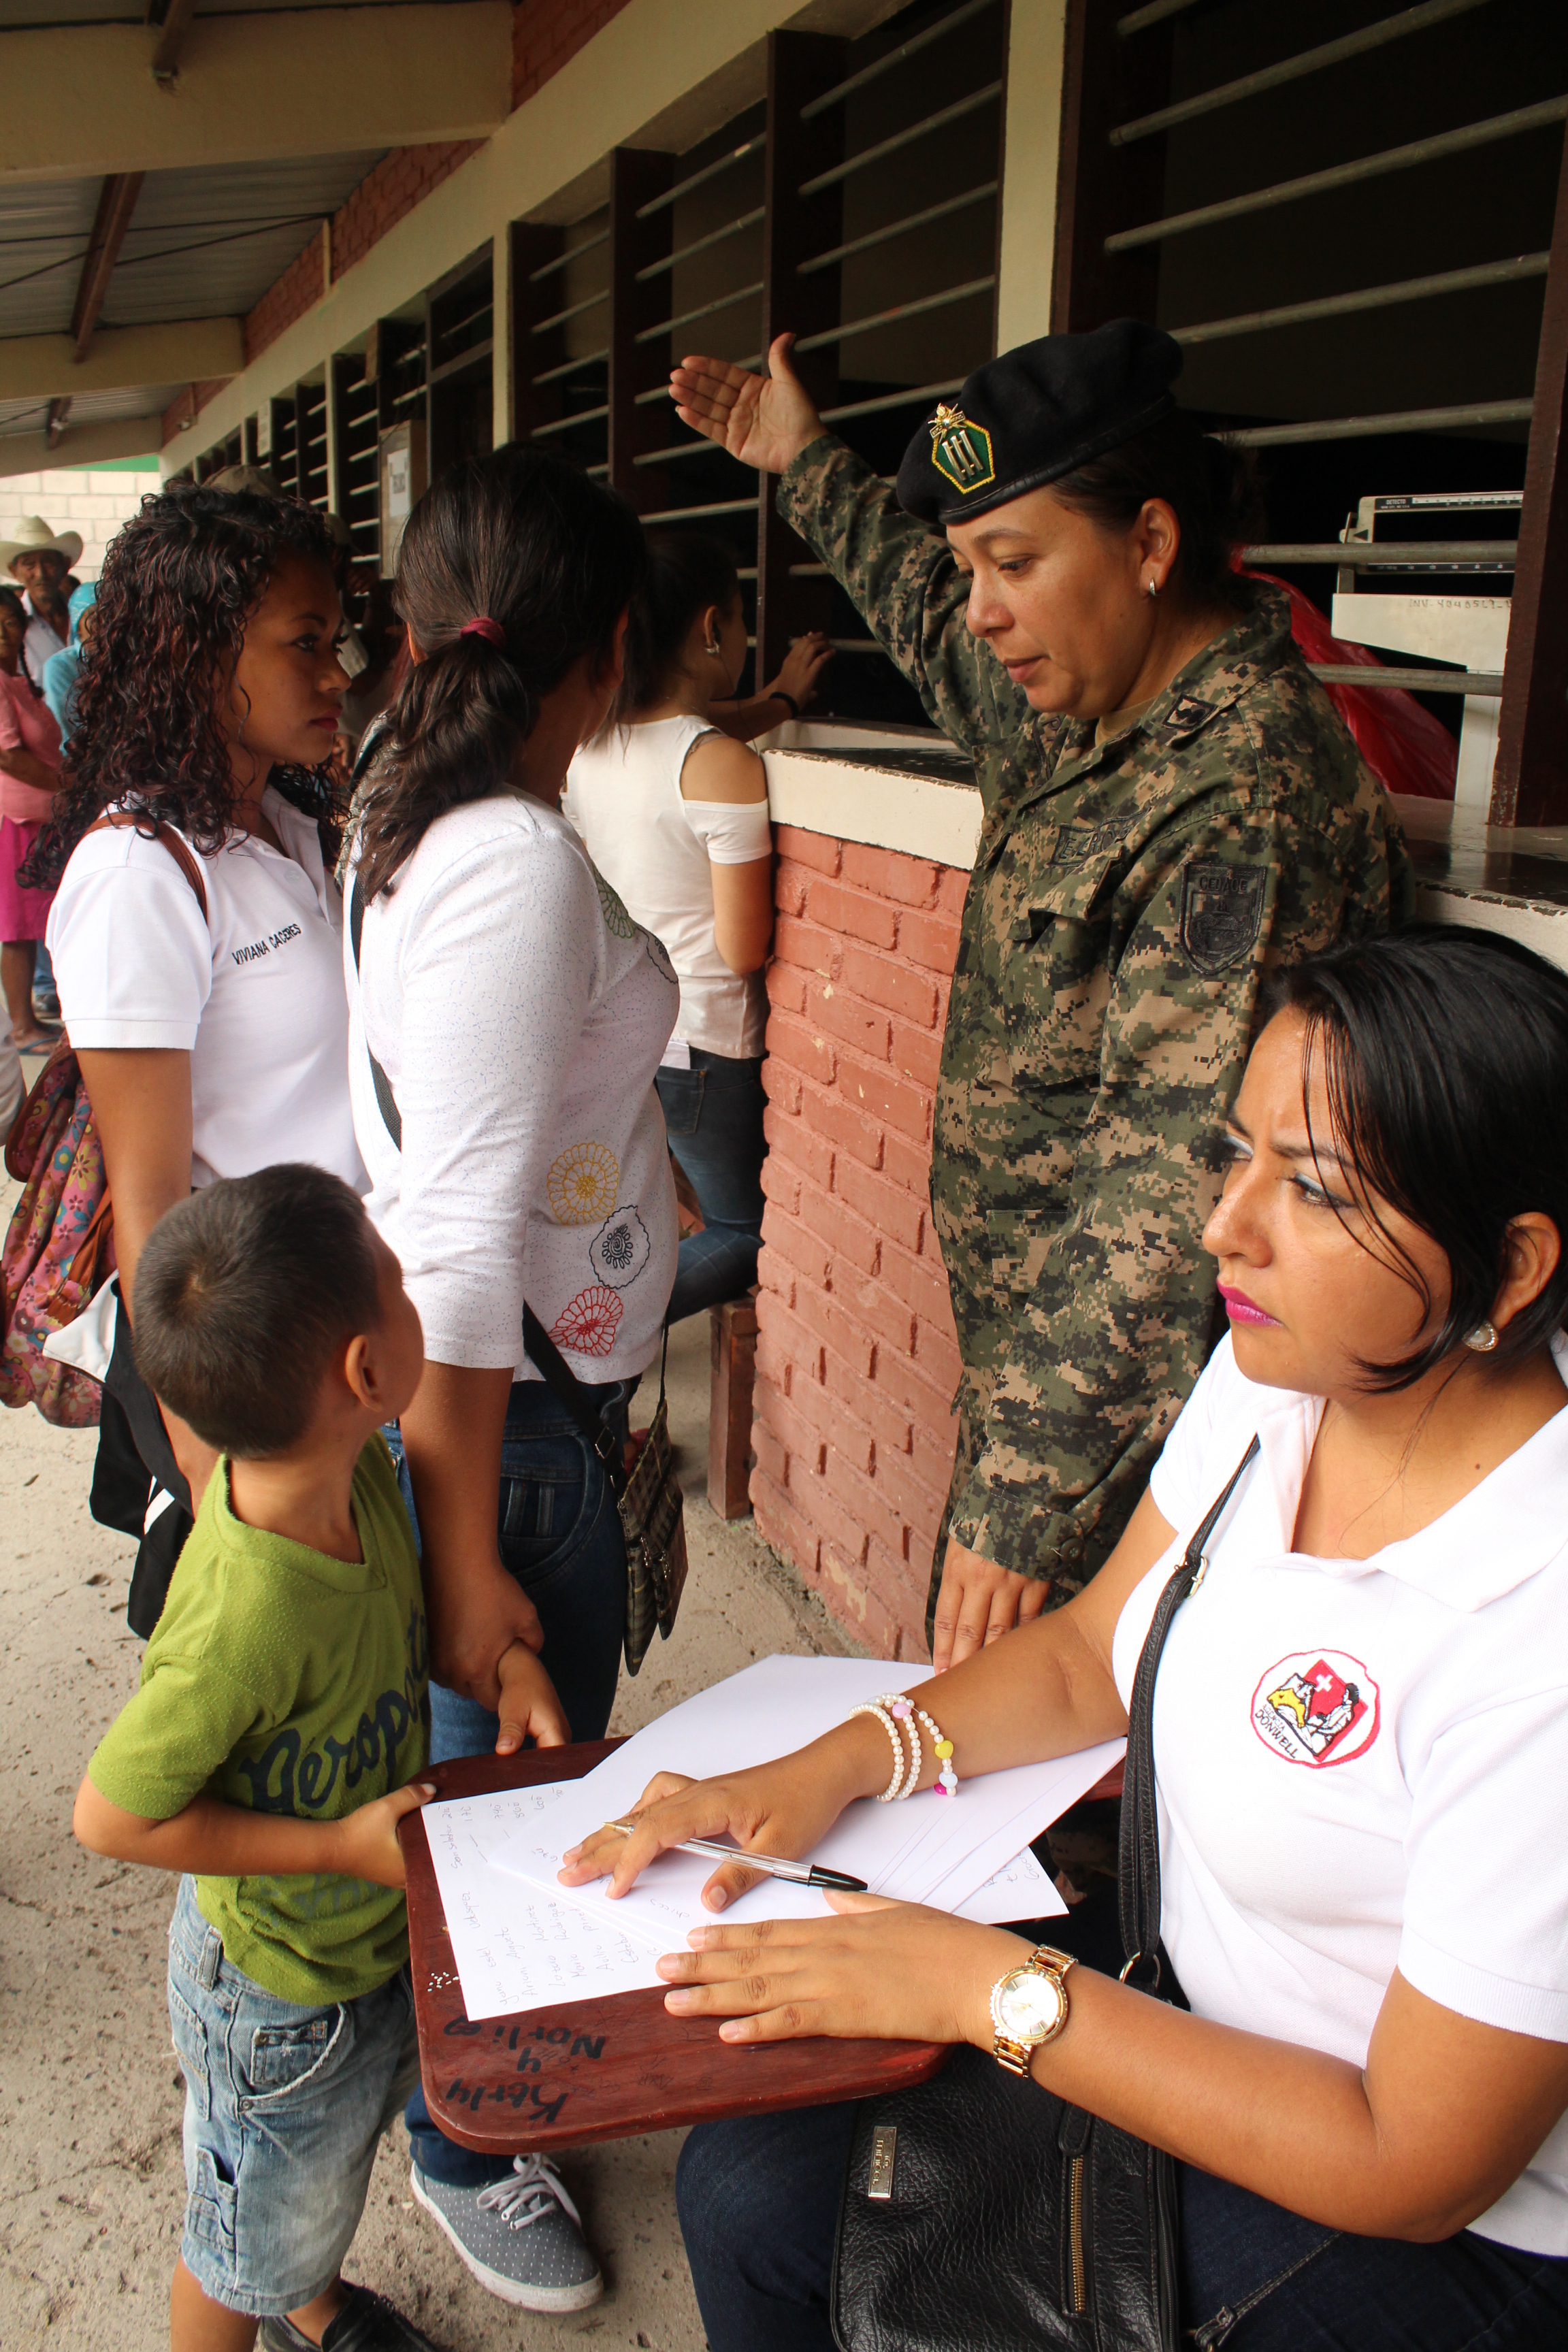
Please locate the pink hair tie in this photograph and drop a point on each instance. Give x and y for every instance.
(492, 631)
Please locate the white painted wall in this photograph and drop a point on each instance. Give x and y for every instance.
(73, 498)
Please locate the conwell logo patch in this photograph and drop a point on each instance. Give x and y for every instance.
(1317, 1708)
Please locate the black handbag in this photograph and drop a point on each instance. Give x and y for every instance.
(649, 1502)
(996, 2218)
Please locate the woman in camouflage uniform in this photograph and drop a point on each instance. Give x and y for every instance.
(1172, 805)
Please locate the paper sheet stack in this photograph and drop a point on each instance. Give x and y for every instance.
(523, 1941)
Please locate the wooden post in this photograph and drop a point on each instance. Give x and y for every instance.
(1529, 780)
(801, 66)
(636, 176)
(1106, 81)
(532, 245)
(735, 1350)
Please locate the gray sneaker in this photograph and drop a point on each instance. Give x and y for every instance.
(522, 2237)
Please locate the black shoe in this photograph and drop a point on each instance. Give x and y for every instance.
(367, 2322)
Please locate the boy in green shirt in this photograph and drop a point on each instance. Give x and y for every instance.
(271, 1748)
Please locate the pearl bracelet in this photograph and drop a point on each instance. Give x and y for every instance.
(894, 1788)
(903, 1722)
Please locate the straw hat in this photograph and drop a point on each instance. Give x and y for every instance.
(34, 536)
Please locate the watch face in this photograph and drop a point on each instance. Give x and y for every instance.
(1026, 2006)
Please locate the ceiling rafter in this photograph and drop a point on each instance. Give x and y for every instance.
(172, 20)
(115, 205)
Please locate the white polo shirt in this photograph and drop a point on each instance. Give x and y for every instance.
(254, 993)
(1362, 1763)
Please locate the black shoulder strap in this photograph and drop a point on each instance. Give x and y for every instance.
(555, 1371)
(385, 1100)
(167, 838)
(1138, 1878)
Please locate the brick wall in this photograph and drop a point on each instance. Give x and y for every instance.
(545, 32)
(79, 498)
(857, 1358)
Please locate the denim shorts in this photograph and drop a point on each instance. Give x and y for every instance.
(283, 2108)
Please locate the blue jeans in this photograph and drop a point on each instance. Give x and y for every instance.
(759, 2207)
(713, 1113)
(284, 2105)
(560, 1535)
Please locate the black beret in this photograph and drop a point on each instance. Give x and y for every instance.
(1034, 415)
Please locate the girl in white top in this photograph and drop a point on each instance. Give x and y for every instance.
(1361, 1718)
(212, 1042)
(675, 815)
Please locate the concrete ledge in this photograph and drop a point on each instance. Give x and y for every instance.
(824, 787)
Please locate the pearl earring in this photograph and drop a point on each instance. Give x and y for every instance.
(1483, 1339)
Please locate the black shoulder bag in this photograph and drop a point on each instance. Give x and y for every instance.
(1017, 2223)
(649, 1501)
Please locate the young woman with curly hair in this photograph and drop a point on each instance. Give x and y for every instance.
(213, 1038)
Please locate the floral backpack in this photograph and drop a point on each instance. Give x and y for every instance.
(59, 1248)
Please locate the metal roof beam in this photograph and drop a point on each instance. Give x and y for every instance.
(184, 351)
(260, 89)
(172, 20)
(115, 206)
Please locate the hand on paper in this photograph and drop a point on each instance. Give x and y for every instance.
(365, 1842)
(783, 1808)
(891, 1971)
(529, 1706)
(979, 1602)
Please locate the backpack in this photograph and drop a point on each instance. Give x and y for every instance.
(59, 1247)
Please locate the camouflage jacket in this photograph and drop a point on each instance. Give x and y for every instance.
(1126, 902)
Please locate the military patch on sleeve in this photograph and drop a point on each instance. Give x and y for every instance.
(1222, 913)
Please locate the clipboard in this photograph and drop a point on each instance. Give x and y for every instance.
(598, 2069)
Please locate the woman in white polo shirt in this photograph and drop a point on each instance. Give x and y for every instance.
(1360, 1725)
(211, 1028)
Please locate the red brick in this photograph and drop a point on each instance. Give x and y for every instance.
(782, 1085)
(771, 1459)
(907, 1494)
(847, 1236)
(802, 943)
(789, 889)
(857, 1602)
(814, 849)
(931, 940)
(893, 985)
(918, 1054)
(843, 1016)
(890, 875)
(901, 1587)
(776, 1274)
(866, 1505)
(936, 1353)
(824, 1414)
(794, 1142)
(859, 918)
(802, 1048)
(917, 1394)
(790, 1238)
(886, 1206)
(781, 1183)
(830, 1320)
(878, 1309)
(890, 1101)
(782, 1525)
(933, 1454)
(786, 987)
(920, 1283)
(805, 1443)
(789, 1342)
(887, 1424)
(908, 1164)
(831, 1116)
(952, 888)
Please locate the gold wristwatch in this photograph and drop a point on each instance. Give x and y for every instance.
(1029, 2007)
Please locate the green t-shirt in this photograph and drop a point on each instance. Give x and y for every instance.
(282, 1680)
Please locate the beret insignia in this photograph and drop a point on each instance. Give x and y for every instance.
(960, 451)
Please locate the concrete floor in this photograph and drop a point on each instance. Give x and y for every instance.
(92, 2185)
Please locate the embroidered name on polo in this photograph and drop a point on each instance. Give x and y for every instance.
(265, 946)
(1317, 1708)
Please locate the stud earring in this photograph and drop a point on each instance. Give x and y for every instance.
(1483, 1339)
(1151, 588)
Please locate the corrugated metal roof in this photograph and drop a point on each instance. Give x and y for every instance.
(203, 244)
(148, 400)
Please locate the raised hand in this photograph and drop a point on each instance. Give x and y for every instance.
(764, 420)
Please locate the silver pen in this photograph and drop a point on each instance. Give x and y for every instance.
(771, 1865)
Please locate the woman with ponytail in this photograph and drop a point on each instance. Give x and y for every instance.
(507, 1020)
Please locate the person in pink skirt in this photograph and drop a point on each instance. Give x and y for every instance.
(29, 771)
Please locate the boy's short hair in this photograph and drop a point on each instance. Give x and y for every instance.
(243, 1294)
